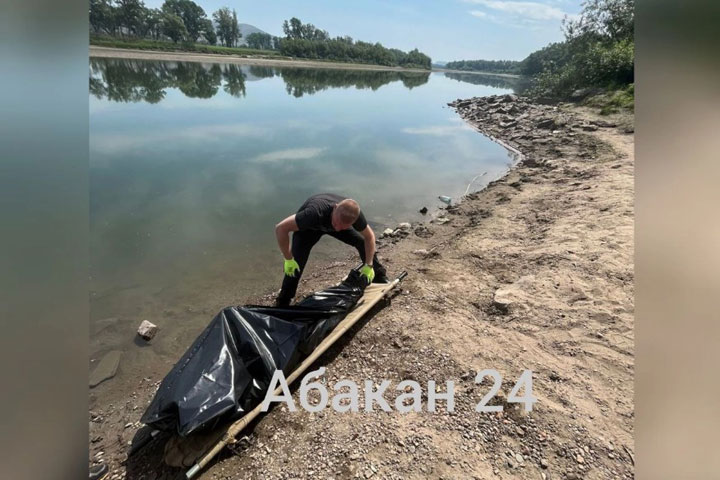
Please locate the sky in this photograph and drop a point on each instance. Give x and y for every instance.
(445, 30)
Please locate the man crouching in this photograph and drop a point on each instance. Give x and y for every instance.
(321, 214)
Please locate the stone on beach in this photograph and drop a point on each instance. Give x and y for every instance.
(147, 330)
(106, 369)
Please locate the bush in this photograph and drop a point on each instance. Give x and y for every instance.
(612, 101)
(598, 52)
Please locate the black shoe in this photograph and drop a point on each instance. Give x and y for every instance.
(282, 302)
(381, 278)
(98, 472)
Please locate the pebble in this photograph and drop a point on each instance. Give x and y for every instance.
(544, 463)
(580, 459)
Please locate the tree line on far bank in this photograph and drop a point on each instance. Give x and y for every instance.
(185, 23)
(598, 53)
(488, 66)
(307, 41)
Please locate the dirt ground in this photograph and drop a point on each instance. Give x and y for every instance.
(534, 272)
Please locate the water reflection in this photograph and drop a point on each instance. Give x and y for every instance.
(516, 84)
(302, 81)
(123, 80)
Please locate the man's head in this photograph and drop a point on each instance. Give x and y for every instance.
(345, 214)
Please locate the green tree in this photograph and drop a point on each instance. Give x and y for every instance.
(610, 19)
(228, 30)
(192, 14)
(153, 23)
(495, 66)
(308, 41)
(235, 28)
(208, 31)
(260, 40)
(102, 16)
(130, 15)
(293, 29)
(598, 52)
(173, 27)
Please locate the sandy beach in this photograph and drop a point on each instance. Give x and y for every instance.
(127, 53)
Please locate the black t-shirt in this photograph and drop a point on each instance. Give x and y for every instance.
(316, 213)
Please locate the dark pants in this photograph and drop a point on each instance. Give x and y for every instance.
(304, 241)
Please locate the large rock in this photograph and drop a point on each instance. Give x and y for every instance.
(147, 330)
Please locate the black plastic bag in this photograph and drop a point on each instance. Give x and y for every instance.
(227, 370)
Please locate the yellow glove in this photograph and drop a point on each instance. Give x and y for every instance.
(367, 272)
(291, 267)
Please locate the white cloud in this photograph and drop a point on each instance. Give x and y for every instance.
(290, 154)
(522, 11)
(117, 142)
(439, 130)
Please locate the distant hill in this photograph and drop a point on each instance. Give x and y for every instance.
(246, 29)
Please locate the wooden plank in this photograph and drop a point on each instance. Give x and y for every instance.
(372, 295)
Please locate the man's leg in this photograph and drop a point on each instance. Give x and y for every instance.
(353, 238)
(302, 243)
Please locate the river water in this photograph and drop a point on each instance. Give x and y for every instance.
(192, 165)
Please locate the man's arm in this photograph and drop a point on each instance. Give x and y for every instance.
(369, 237)
(282, 233)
